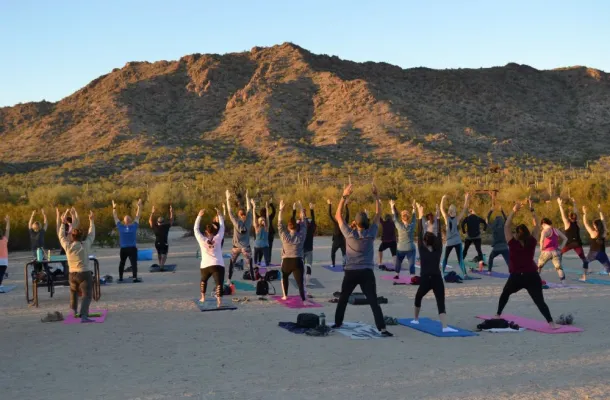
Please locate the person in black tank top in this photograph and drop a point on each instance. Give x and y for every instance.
(572, 229)
(597, 250)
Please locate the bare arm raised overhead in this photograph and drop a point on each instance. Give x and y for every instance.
(564, 218)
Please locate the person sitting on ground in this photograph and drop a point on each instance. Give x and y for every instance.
(573, 234)
(4, 249)
(598, 233)
(212, 263)
(293, 243)
(471, 226)
(128, 235)
(430, 246)
(338, 240)
(261, 243)
(523, 270)
(360, 261)
(37, 237)
(161, 230)
(406, 231)
(499, 247)
(241, 236)
(77, 252)
(453, 239)
(550, 247)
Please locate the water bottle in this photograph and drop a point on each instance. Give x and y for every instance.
(39, 254)
(322, 320)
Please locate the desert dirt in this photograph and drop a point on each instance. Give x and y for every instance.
(155, 344)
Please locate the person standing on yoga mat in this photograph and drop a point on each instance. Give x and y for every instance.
(360, 246)
(241, 236)
(499, 247)
(405, 246)
(293, 242)
(212, 263)
(338, 240)
(261, 243)
(4, 249)
(77, 253)
(308, 245)
(522, 268)
(128, 234)
(430, 246)
(388, 239)
(471, 226)
(549, 247)
(572, 229)
(598, 233)
(161, 231)
(453, 239)
(270, 227)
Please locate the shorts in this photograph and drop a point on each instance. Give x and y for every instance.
(162, 248)
(388, 245)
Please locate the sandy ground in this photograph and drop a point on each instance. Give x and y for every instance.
(155, 344)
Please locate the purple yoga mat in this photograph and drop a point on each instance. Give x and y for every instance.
(493, 274)
(535, 325)
(69, 320)
(338, 268)
(293, 302)
(402, 279)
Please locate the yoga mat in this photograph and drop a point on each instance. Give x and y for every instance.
(70, 320)
(596, 281)
(560, 286)
(166, 268)
(358, 331)
(338, 268)
(435, 328)
(246, 287)
(470, 278)
(535, 325)
(294, 302)
(314, 283)
(129, 280)
(493, 274)
(388, 267)
(263, 270)
(7, 288)
(402, 279)
(210, 305)
(292, 327)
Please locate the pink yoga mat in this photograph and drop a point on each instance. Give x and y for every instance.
(293, 302)
(69, 320)
(402, 279)
(535, 325)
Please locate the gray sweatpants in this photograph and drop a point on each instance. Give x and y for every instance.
(81, 282)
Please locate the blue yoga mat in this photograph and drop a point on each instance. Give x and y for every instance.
(166, 268)
(210, 305)
(338, 268)
(7, 288)
(596, 281)
(435, 328)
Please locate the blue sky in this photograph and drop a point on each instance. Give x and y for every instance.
(52, 48)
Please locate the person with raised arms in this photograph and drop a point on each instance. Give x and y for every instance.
(471, 226)
(293, 242)
(388, 239)
(499, 247)
(338, 240)
(360, 260)
(598, 233)
(161, 230)
(128, 237)
(261, 230)
(550, 247)
(4, 249)
(570, 224)
(212, 263)
(522, 268)
(405, 244)
(430, 246)
(269, 217)
(453, 241)
(37, 236)
(241, 235)
(77, 253)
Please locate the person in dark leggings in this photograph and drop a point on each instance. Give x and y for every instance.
(360, 265)
(597, 250)
(523, 270)
(471, 226)
(161, 230)
(453, 239)
(308, 246)
(241, 236)
(573, 234)
(338, 240)
(128, 234)
(212, 263)
(388, 239)
(271, 229)
(430, 246)
(499, 247)
(293, 242)
(4, 249)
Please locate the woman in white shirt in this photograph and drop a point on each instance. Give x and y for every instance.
(212, 263)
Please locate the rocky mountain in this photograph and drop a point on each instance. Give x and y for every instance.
(282, 106)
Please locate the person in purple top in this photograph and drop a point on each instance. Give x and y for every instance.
(128, 231)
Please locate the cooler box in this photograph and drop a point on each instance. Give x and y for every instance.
(145, 254)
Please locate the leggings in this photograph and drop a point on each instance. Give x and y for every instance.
(337, 245)
(81, 282)
(294, 266)
(579, 251)
(400, 256)
(366, 279)
(2, 272)
(600, 256)
(477, 246)
(218, 272)
(529, 281)
(132, 254)
(271, 234)
(494, 253)
(245, 252)
(260, 253)
(458, 250)
(434, 283)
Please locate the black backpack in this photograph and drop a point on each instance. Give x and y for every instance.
(308, 320)
(272, 275)
(226, 290)
(262, 287)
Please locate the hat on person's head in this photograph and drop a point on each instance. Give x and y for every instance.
(362, 220)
